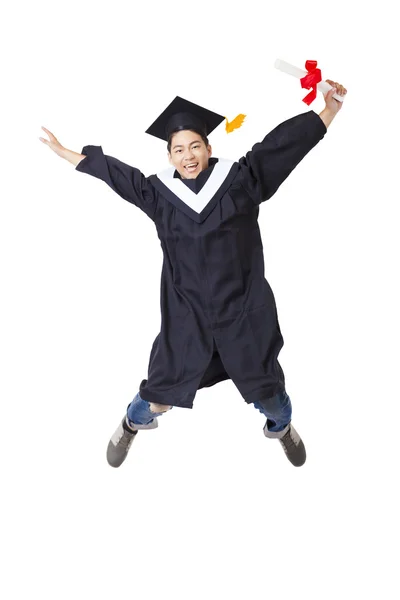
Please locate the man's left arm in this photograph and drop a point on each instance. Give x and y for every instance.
(271, 161)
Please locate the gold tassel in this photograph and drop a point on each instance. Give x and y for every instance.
(235, 124)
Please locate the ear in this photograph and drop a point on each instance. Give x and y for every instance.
(170, 158)
(209, 150)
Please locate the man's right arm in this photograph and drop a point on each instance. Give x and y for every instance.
(128, 182)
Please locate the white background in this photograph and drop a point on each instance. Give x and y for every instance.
(205, 506)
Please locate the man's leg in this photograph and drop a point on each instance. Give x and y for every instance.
(278, 410)
(140, 415)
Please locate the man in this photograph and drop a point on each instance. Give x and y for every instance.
(219, 319)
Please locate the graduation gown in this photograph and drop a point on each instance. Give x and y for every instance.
(218, 314)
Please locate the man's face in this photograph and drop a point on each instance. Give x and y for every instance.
(187, 149)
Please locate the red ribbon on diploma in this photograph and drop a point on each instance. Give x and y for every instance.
(311, 80)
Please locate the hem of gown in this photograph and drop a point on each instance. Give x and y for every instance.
(263, 393)
(157, 398)
(188, 398)
(213, 381)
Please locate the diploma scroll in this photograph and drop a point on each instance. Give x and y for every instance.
(322, 86)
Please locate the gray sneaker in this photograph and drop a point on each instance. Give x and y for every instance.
(291, 443)
(121, 441)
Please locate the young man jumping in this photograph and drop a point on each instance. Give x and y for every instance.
(218, 314)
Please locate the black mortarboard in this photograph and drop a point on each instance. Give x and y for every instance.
(182, 114)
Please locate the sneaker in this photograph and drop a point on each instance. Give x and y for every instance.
(291, 442)
(121, 441)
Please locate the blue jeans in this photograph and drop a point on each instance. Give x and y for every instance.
(277, 409)
(139, 412)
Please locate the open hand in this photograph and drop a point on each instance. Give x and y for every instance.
(331, 104)
(53, 143)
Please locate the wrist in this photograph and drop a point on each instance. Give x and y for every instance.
(327, 116)
(73, 157)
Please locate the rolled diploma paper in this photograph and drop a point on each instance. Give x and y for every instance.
(322, 86)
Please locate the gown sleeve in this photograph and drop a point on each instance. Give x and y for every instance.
(266, 166)
(128, 182)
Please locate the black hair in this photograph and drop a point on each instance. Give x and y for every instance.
(200, 133)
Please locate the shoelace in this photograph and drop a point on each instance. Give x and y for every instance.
(287, 442)
(126, 440)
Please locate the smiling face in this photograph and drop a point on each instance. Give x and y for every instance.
(189, 154)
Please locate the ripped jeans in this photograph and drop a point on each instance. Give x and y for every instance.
(277, 409)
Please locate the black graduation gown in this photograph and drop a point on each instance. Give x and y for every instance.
(218, 313)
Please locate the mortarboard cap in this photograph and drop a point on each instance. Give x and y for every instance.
(182, 114)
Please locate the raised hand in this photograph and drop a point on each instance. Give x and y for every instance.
(331, 104)
(53, 143)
